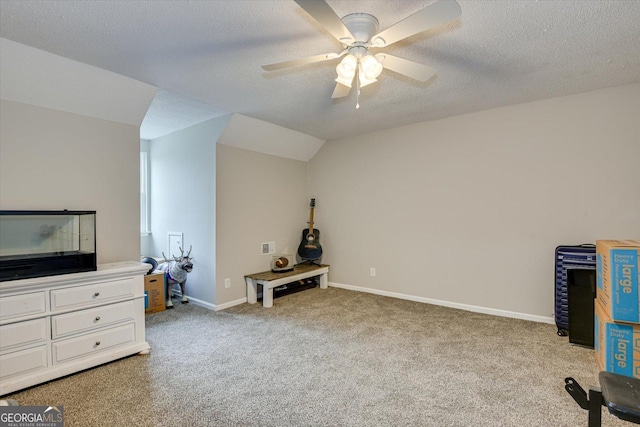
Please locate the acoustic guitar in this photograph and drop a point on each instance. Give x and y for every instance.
(310, 249)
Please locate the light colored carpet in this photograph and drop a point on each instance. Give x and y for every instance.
(332, 358)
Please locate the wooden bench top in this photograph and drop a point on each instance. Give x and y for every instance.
(297, 269)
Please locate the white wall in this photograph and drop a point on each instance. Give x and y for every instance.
(183, 199)
(250, 134)
(36, 77)
(54, 160)
(260, 198)
(468, 210)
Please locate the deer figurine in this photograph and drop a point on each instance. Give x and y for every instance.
(175, 271)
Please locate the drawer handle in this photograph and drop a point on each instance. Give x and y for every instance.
(97, 294)
(97, 343)
(97, 318)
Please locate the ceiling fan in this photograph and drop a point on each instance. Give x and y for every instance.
(358, 32)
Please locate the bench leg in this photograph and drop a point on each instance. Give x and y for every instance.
(252, 291)
(267, 296)
(324, 281)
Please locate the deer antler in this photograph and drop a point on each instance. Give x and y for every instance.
(165, 257)
(182, 255)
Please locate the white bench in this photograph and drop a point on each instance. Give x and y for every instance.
(270, 280)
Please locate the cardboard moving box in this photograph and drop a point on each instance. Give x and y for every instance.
(617, 278)
(154, 289)
(617, 345)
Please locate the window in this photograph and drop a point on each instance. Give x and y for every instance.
(144, 193)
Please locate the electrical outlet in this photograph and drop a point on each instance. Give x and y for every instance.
(372, 272)
(227, 283)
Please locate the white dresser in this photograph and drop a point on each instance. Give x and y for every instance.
(57, 325)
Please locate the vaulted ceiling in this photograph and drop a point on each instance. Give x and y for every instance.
(205, 56)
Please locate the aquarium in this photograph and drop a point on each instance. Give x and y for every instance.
(45, 243)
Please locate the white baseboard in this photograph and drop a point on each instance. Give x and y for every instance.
(467, 307)
(210, 306)
(230, 304)
(473, 308)
(200, 303)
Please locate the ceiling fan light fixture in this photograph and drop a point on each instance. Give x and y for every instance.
(364, 82)
(368, 70)
(345, 80)
(346, 70)
(347, 67)
(371, 68)
(362, 76)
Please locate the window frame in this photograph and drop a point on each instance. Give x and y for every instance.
(145, 228)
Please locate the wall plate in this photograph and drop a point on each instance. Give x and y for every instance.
(268, 248)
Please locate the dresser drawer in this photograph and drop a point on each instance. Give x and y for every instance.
(22, 362)
(23, 333)
(91, 318)
(83, 296)
(69, 349)
(22, 305)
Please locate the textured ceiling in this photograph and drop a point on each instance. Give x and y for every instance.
(205, 56)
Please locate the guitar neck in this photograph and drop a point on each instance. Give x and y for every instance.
(311, 221)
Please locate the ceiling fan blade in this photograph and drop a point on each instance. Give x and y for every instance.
(340, 91)
(429, 17)
(302, 61)
(416, 71)
(326, 16)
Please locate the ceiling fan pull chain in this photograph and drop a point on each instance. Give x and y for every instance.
(357, 88)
